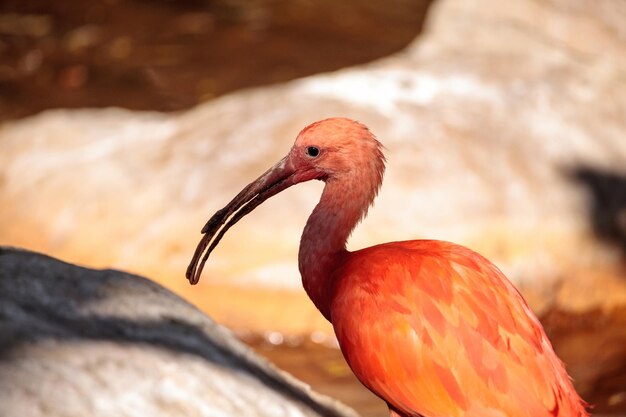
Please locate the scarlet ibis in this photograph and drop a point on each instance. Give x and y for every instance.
(431, 327)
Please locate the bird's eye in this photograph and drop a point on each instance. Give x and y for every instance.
(312, 151)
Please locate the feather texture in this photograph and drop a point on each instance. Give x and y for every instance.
(438, 330)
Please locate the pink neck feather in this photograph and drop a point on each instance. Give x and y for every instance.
(343, 204)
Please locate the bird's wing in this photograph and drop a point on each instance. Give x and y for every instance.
(436, 329)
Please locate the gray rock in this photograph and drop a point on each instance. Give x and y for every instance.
(84, 342)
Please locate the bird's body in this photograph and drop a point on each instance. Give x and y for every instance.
(431, 327)
(436, 330)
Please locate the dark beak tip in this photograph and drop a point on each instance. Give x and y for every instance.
(189, 274)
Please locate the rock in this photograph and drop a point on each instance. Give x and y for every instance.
(84, 342)
(488, 119)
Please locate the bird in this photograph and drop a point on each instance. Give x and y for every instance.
(431, 327)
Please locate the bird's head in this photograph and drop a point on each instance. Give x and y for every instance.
(332, 148)
(327, 150)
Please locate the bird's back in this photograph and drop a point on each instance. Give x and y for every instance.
(437, 330)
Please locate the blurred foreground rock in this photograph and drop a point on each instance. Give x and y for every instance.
(82, 342)
(505, 126)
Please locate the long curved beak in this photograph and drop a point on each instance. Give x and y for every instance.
(276, 179)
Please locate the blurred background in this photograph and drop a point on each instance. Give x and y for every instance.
(126, 123)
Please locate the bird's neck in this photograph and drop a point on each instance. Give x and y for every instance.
(323, 243)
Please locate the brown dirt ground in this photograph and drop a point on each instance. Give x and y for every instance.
(169, 55)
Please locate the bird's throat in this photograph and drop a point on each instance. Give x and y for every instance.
(323, 243)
